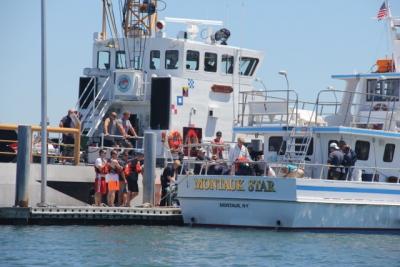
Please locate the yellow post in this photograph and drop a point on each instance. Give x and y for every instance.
(77, 144)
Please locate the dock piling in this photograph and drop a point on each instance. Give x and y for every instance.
(149, 167)
(23, 166)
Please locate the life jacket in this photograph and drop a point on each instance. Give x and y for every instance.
(103, 170)
(128, 168)
(174, 140)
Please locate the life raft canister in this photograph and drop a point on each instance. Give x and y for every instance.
(174, 139)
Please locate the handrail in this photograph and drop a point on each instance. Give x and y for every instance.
(304, 166)
(35, 128)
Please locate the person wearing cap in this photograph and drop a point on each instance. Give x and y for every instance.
(110, 127)
(238, 154)
(335, 160)
(71, 120)
(218, 149)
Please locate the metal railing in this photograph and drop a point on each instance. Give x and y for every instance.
(349, 173)
(36, 129)
(279, 107)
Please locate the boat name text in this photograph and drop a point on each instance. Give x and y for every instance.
(253, 185)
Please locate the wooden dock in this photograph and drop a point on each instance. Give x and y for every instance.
(90, 215)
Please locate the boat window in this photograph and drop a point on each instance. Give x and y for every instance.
(103, 60)
(120, 60)
(210, 62)
(192, 60)
(276, 144)
(383, 90)
(310, 148)
(227, 64)
(362, 150)
(155, 59)
(171, 59)
(389, 152)
(247, 65)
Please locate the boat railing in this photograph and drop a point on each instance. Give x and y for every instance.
(9, 147)
(350, 111)
(306, 170)
(273, 107)
(96, 109)
(137, 144)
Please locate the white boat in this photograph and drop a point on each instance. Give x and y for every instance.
(300, 133)
(184, 84)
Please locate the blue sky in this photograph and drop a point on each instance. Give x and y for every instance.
(310, 39)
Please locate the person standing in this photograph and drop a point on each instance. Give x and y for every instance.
(132, 171)
(238, 155)
(349, 160)
(101, 169)
(168, 178)
(110, 129)
(113, 177)
(123, 184)
(336, 161)
(128, 129)
(71, 120)
(218, 149)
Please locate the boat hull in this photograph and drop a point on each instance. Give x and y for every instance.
(289, 206)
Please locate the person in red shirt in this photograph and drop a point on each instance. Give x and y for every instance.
(100, 185)
(218, 150)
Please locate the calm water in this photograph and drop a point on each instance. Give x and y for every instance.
(177, 246)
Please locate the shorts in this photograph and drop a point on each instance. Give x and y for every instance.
(100, 185)
(113, 185)
(133, 184)
(123, 187)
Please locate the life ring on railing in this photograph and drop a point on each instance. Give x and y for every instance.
(380, 107)
(174, 140)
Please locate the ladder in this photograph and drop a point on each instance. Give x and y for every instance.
(297, 145)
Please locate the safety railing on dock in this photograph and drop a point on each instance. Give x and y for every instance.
(9, 146)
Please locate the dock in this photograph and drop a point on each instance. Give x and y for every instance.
(90, 215)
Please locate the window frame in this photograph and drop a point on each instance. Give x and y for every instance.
(120, 52)
(109, 59)
(198, 60)
(224, 71)
(166, 58)
(251, 68)
(282, 143)
(151, 59)
(388, 155)
(215, 68)
(376, 95)
(359, 152)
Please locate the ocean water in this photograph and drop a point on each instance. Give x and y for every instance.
(186, 246)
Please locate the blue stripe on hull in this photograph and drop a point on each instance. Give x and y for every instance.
(348, 190)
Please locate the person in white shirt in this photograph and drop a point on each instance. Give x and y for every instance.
(238, 153)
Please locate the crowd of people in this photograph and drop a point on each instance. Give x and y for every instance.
(117, 176)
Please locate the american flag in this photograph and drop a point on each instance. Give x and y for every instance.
(383, 12)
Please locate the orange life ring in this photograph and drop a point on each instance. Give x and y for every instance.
(174, 140)
(380, 107)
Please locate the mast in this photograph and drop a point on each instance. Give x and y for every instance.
(140, 18)
(103, 34)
